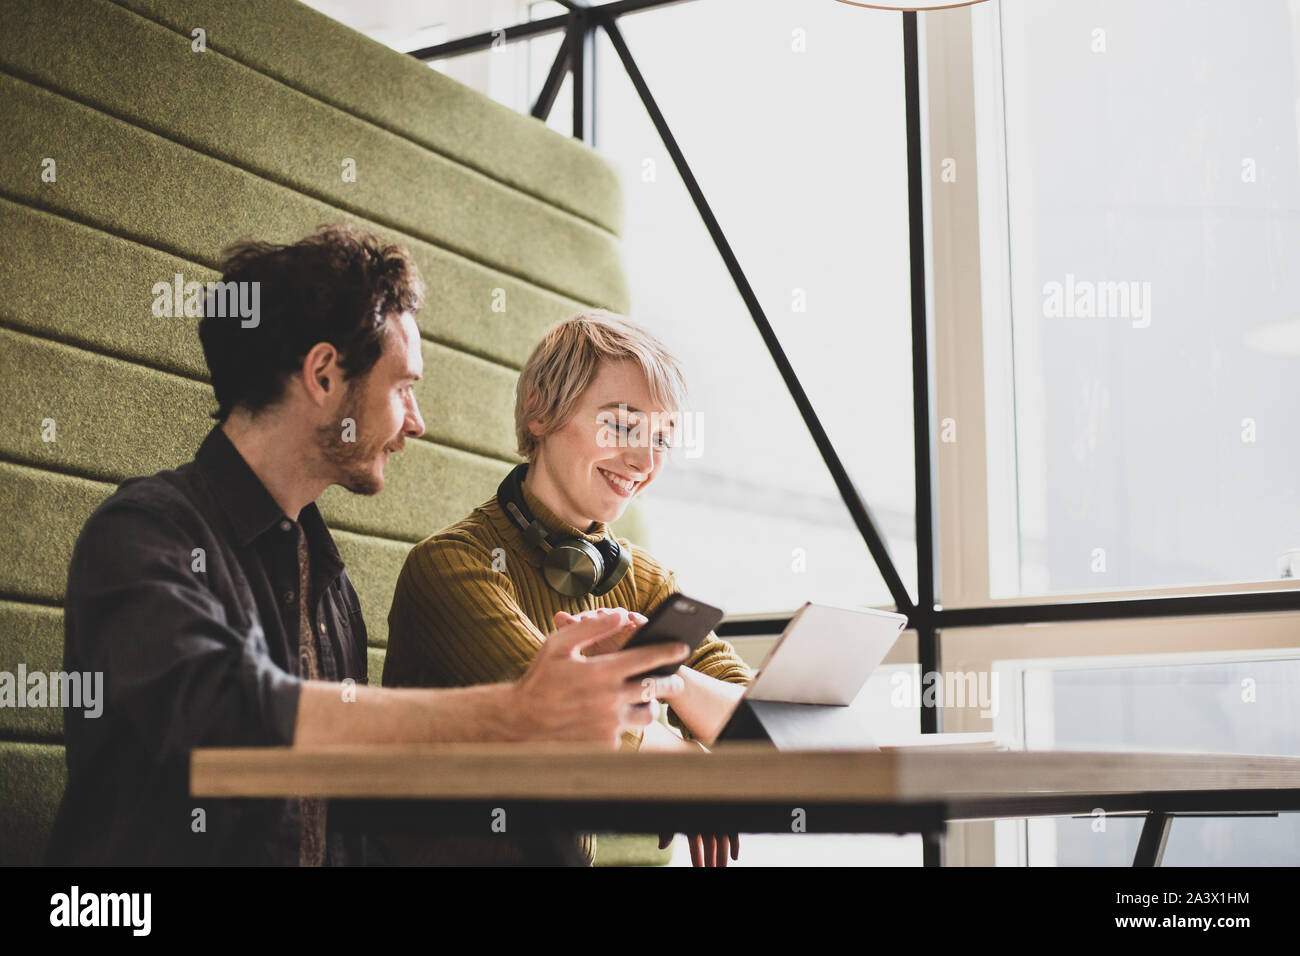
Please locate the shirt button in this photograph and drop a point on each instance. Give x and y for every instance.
(286, 525)
(288, 597)
(322, 627)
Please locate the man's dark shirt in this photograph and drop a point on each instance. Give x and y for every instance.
(183, 591)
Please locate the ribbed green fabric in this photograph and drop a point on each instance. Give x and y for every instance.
(308, 51)
(282, 136)
(84, 286)
(33, 637)
(122, 176)
(43, 513)
(31, 784)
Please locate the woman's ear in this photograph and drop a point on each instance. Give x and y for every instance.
(536, 426)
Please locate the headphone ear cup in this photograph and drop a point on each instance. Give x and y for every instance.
(573, 567)
(618, 561)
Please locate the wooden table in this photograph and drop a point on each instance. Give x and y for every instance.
(747, 787)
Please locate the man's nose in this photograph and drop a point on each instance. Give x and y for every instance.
(414, 424)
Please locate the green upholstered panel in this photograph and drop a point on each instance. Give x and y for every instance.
(373, 564)
(468, 402)
(375, 665)
(32, 778)
(286, 137)
(31, 635)
(630, 849)
(433, 486)
(310, 52)
(92, 288)
(44, 512)
(123, 179)
(80, 412)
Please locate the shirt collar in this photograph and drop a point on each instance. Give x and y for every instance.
(251, 509)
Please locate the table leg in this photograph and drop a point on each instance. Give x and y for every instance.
(932, 845)
(1155, 834)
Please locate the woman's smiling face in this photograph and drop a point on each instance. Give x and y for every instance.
(608, 452)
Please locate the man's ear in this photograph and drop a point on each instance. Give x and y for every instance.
(320, 374)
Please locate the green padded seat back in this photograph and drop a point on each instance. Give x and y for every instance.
(131, 156)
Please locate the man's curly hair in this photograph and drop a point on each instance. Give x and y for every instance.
(339, 285)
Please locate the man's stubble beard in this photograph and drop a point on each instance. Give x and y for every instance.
(352, 460)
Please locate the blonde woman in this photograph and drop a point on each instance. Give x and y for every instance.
(595, 409)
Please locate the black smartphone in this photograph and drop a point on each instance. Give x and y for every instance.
(678, 618)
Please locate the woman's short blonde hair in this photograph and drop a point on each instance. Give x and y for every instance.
(565, 362)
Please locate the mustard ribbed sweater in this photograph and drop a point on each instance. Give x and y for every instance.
(472, 606)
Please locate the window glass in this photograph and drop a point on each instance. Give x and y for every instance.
(792, 120)
(1152, 190)
(1239, 707)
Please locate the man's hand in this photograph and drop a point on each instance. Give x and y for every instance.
(568, 695)
(707, 850)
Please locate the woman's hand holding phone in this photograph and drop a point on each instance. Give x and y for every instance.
(614, 641)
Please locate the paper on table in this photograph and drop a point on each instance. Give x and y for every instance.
(962, 741)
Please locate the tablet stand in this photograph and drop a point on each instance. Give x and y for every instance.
(788, 726)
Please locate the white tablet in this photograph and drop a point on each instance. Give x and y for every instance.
(826, 654)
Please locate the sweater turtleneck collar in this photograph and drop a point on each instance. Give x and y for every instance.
(554, 523)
